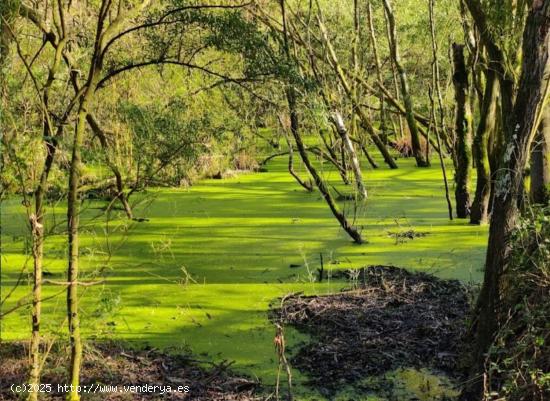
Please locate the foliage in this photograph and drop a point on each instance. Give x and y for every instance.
(505, 22)
(163, 139)
(21, 138)
(518, 365)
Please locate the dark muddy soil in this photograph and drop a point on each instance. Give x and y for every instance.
(394, 319)
(111, 364)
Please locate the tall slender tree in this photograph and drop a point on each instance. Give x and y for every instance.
(437, 86)
(479, 212)
(377, 64)
(407, 98)
(463, 132)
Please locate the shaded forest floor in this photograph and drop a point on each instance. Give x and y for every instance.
(201, 272)
(110, 364)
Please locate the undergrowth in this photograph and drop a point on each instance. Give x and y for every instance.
(518, 366)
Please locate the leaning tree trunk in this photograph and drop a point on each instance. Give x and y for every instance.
(519, 130)
(365, 121)
(304, 184)
(479, 212)
(325, 192)
(397, 94)
(334, 157)
(121, 195)
(540, 162)
(370, 159)
(355, 166)
(463, 133)
(407, 98)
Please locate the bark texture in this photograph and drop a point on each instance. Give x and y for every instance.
(73, 219)
(519, 130)
(540, 162)
(479, 212)
(355, 166)
(463, 132)
(304, 184)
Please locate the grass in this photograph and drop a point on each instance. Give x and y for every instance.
(203, 270)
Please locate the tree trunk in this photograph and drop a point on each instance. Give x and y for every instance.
(437, 87)
(348, 228)
(436, 76)
(411, 121)
(325, 192)
(442, 162)
(121, 195)
(361, 143)
(395, 82)
(334, 158)
(355, 166)
(370, 159)
(37, 220)
(378, 66)
(463, 133)
(343, 156)
(487, 124)
(304, 184)
(37, 228)
(540, 162)
(519, 130)
(73, 218)
(365, 122)
(400, 109)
